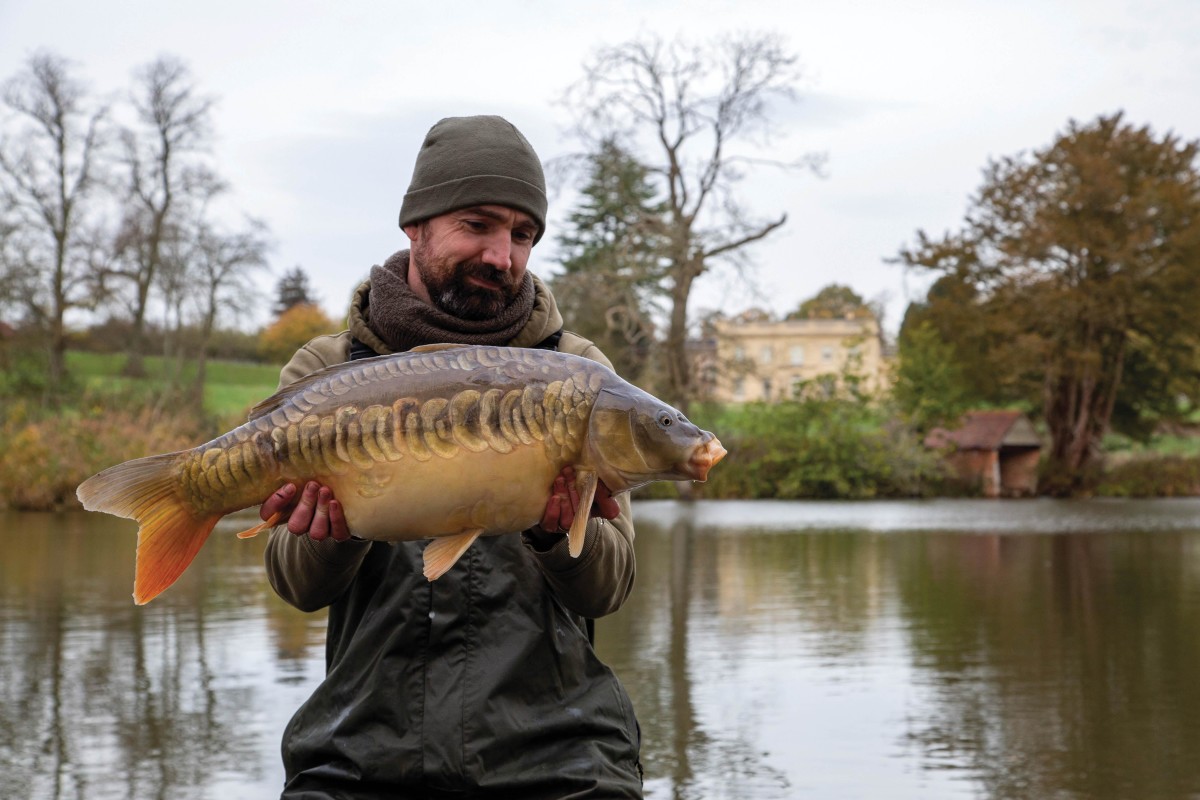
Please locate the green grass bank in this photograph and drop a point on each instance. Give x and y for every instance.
(106, 418)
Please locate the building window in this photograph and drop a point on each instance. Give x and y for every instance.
(827, 354)
(797, 355)
(739, 353)
(739, 389)
(766, 388)
(767, 355)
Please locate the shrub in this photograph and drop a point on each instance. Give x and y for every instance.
(47, 456)
(1168, 476)
(282, 338)
(831, 447)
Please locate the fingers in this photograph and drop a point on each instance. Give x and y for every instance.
(319, 528)
(302, 515)
(557, 506)
(563, 504)
(338, 528)
(604, 505)
(278, 502)
(317, 513)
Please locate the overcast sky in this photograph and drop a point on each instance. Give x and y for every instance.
(323, 105)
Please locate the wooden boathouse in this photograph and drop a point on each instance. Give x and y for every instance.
(996, 451)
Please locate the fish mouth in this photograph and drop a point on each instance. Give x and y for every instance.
(704, 457)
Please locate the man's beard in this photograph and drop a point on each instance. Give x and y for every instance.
(451, 293)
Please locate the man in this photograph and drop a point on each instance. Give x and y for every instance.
(482, 683)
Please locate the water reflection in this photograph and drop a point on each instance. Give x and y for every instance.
(105, 699)
(772, 651)
(1060, 665)
(974, 657)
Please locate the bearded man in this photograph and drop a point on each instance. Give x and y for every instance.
(483, 683)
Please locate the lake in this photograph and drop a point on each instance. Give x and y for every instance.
(924, 649)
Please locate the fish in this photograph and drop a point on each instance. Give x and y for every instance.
(443, 442)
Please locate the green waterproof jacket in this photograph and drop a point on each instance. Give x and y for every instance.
(480, 684)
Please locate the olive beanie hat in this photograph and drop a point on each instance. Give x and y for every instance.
(468, 161)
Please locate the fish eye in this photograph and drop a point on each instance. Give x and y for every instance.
(665, 420)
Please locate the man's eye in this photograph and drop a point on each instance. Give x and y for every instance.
(522, 236)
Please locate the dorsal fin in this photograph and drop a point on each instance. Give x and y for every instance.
(285, 394)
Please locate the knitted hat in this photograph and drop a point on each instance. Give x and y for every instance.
(468, 161)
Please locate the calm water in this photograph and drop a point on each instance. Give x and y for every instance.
(950, 649)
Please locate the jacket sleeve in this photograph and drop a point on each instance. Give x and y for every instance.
(306, 574)
(601, 578)
(598, 582)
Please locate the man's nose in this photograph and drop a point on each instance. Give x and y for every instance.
(497, 252)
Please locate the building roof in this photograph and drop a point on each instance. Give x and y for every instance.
(805, 327)
(987, 430)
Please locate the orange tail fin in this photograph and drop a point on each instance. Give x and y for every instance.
(169, 533)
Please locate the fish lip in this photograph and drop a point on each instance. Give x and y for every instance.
(704, 458)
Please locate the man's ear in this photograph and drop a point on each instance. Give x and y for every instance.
(411, 230)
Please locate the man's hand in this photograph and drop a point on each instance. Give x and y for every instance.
(314, 511)
(563, 504)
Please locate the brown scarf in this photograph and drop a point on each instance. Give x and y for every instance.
(404, 321)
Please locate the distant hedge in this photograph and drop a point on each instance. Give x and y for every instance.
(1152, 476)
(814, 448)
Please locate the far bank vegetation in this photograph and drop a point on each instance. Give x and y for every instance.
(1069, 291)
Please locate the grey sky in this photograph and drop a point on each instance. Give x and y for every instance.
(323, 105)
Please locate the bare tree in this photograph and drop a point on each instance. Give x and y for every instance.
(222, 265)
(50, 164)
(686, 111)
(17, 281)
(165, 175)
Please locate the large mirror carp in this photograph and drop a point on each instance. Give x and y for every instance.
(446, 442)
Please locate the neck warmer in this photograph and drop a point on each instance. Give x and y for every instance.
(404, 321)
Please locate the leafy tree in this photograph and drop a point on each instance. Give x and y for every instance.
(282, 338)
(51, 157)
(835, 301)
(684, 111)
(292, 290)
(930, 387)
(610, 260)
(989, 349)
(1080, 268)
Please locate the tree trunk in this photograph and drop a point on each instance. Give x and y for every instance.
(679, 369)
(1078, 411)
(56, 379)
(206, 329)
(135, 366)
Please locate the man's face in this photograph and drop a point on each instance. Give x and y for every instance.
(470, 263)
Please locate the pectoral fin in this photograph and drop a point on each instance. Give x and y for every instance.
(442, 553)
(585, 485)
(250, 533)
